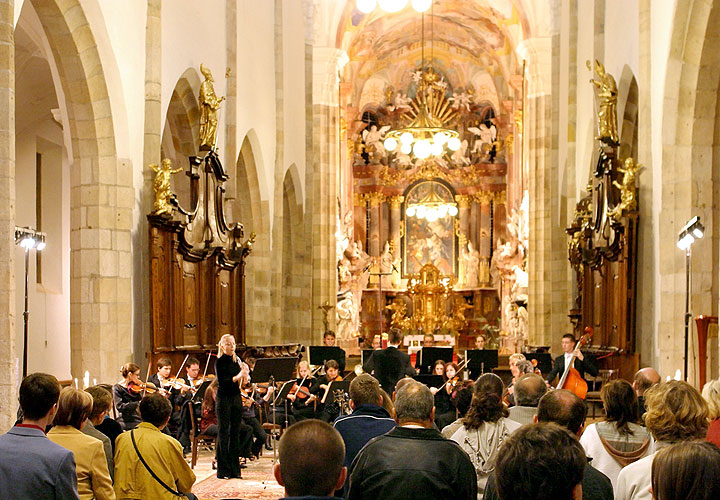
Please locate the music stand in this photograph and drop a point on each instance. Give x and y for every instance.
(544, 361)
(428, 356)
(480, 361)
(365, 355)
(320, 354)
(200, 393)
(430, 380)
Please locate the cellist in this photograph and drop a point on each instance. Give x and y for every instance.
(581, 364)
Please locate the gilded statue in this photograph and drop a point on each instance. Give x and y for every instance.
(161, 186)
(628, 189)
(399, 309)
(209, 105)
(607, 112)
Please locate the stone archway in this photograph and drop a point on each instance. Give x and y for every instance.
(689, 174)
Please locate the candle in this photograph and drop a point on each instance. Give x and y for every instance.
(76, 384)
(86, 380)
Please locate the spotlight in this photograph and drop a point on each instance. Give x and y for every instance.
(693, 230)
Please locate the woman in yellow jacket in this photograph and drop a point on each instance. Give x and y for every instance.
(74, 407)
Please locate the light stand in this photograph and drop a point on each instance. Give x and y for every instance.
(691, 232)
(27, 238)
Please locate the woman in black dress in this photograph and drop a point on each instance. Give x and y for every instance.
(231, 372)
(126, 399)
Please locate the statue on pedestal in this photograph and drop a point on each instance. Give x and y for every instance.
(161, 186)
(209, 105)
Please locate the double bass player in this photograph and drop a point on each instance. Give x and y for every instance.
(581, 364)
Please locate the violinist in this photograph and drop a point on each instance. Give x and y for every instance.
(171, 389)
(303, 402)
(127, 395)
(445, 411)
(251, 407)
(582, 363)
(328, 410)
(187, 391)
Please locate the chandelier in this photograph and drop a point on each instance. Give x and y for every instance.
(367, 6)
(427, 132)
(431, 207)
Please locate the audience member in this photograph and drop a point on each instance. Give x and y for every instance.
(644, 379)
(412, 459)
(162, 473)
(675, 412)
(390, 365)
(618, 440)
(93, 477)
(529, 388)
(387, 403)
(688, 471)
(311, 461)
(400, 384)
(109, 426)
(127, 394)
(462, 404)
(101, 404)
(711, 394)
(541, 462)
(32, 466)
(368, 419)
(485, 427)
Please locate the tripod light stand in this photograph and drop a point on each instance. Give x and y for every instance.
(691, 232)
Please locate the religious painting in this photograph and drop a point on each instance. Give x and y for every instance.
(429, 241)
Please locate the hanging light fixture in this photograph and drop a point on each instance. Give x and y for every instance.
(426, 133)
(431, 207)
(391, 6)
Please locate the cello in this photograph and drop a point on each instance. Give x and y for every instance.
(571, 379)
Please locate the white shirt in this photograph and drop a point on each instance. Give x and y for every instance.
(568, 357)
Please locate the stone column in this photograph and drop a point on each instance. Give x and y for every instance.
(395, 203)
(374, 244)
(8, 357)
(463, 202)
(485, 243)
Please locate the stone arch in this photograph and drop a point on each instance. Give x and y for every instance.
(688, 176)
(628, 97)
(181, 129)
(101, 197)
(252, 211)
(295, 312)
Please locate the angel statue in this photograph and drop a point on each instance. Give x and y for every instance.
(373, 142)
(460, 157)
(461, 100)
(161, 186)
(484, 135)
(209, 105)
(607, 112)
(628, 198)
(400, 102)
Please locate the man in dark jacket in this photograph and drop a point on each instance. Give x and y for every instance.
(390, 365)
(569, 411)
(413, 460)
(581, 363)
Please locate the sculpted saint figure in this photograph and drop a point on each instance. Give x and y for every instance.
(209, 105)
(607, 112)
(161, 186)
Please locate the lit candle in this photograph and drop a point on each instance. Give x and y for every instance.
(76, 384)
(86, 380)
(94, 381)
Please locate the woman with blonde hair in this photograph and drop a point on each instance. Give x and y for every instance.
(711, 394)
(93, 477)
(231, 372)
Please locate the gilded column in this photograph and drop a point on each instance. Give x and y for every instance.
(375, 201)
(8, 356)
(395, 203)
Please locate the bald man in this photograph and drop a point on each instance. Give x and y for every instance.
(645, 378)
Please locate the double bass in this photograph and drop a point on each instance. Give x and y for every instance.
(571, 379)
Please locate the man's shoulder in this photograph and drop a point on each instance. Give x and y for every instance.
(32, 444)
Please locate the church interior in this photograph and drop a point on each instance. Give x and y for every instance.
(171, 172)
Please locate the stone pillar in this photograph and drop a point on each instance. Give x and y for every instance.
(374, 245)
(474, 223)
(485, 243)
(463, 202)
(395, 203)
(327, 61)
(8, 356)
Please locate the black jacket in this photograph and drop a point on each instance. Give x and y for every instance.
(390, 365)
(586, 365)
(412, 463)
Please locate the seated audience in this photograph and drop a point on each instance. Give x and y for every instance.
(413, 458)
(387, 403)
(462, 403)
(400, 383)
(102, 402)
(541, 462)
(109, 426)
(529, 388)
(564, 408)
(32, 466)
(161, 453)
(687, 471)
(311, 461)
(644, 379)
(618, 440)
(127, 395)
(485, 427)
(675, 412)
(368, 419)
(93, 477)
(711, 394)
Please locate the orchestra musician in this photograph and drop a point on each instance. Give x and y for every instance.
(581, 364)
(302, 401)
(231, 373)
(328, 410)
(480, 342)
(445, 411)
(127, 395)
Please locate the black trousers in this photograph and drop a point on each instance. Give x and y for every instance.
(229, 416)
(258, 433)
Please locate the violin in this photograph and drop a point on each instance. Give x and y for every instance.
(138, 387)
(327, 389)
